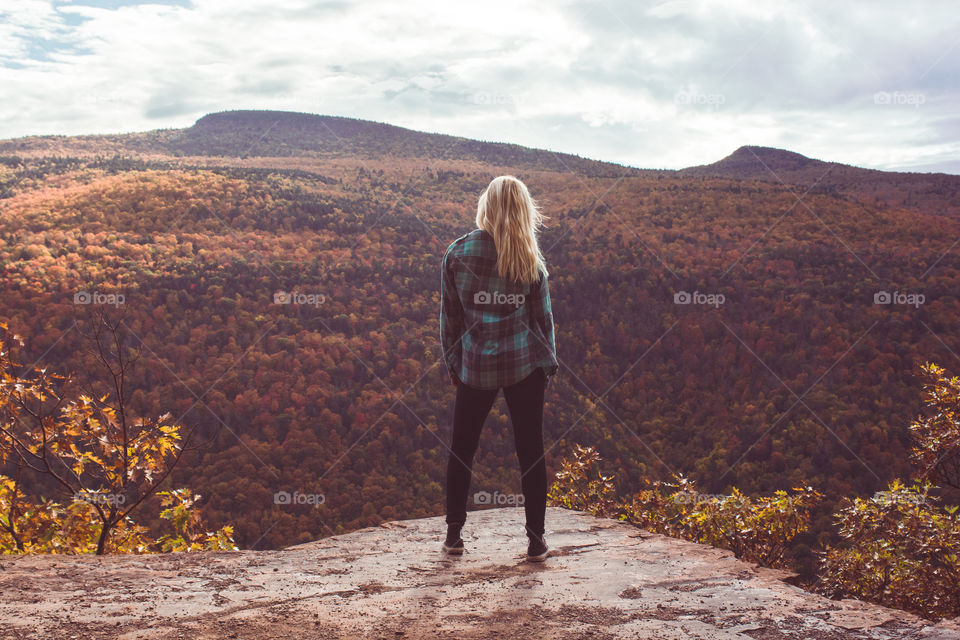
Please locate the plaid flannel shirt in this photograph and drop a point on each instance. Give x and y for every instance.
(494, 332)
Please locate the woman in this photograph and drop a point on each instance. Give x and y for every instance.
(496, 329)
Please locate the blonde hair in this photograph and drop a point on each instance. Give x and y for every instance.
(508, 213)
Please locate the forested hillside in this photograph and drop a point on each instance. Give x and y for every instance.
(794, 374)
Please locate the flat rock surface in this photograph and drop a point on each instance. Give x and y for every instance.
(607, 580)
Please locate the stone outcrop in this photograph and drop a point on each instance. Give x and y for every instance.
(608, 580)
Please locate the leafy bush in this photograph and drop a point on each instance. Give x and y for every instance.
(47, 526)
(757, 529)
(575, 489)
(903, 551)
(190, 530)
(937, 438)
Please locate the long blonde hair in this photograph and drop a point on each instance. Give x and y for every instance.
(508, 213)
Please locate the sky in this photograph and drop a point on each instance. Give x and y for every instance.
(648, 84)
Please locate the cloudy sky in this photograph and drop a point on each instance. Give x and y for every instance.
(646, 83)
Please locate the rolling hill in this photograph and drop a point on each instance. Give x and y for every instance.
(279, 134)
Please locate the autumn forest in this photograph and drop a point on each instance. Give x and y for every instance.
(758, 323)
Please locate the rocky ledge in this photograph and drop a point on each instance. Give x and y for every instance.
(607, 580)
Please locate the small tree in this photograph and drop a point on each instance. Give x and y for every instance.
(106, 461)
(902, 546)
(28, 526)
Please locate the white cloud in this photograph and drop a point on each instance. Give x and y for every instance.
(667, 84)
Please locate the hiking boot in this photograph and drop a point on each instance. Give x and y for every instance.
(454, 543)
(537, 550)
(453, 547)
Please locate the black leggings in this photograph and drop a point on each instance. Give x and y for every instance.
(525, 404)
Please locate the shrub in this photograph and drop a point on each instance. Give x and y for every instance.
(757, 529)
(902, 550)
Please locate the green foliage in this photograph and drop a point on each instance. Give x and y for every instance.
(937, 437)
(45, 526)
(756, 529)
(575, 489)
(188, 526)
(902, 550)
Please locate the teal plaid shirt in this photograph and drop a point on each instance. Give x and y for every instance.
(494, 332)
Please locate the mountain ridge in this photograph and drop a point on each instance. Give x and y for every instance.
(342, 128)
(288, 134)
(246, 137)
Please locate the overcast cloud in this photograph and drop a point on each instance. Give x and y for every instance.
(650, 84)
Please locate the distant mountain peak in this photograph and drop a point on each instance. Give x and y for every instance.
(754, 161)
(755, 151)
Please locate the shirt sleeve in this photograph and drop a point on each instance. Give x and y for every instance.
(543, 316)
(451, 315)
